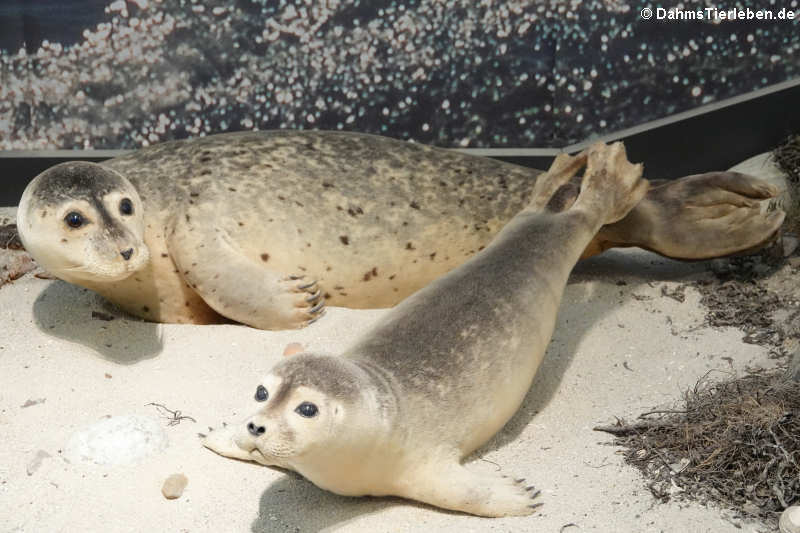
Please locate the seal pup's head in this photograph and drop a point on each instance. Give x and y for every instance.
(316, 414)
(83, 222)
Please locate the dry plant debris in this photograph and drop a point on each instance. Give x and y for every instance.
(787, 157)
(734, 443)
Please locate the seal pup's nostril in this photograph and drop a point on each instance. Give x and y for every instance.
(255, 430)
(126, 254)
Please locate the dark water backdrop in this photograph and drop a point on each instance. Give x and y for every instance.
(511, 73)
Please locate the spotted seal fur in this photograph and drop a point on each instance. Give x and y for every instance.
(265, 228)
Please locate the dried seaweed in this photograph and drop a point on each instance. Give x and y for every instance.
(787, 157)
(734, 442)
(737, 297)
(9, 238)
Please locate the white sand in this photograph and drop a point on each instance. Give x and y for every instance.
(85, 368)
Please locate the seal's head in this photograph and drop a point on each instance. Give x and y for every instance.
(316, 414)
(83, 222)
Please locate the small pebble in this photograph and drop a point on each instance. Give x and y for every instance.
(293, 348)
(790, 520)
(36, 462)
(173, 486)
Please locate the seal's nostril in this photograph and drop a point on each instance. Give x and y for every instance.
(126, 254)
(255, 430)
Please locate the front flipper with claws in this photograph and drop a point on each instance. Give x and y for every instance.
(236, 285)
(308, 302)
(452, 486)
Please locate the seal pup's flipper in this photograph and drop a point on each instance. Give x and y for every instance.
(235, 285)
(223, 442)
(450, 485)
(697, 217)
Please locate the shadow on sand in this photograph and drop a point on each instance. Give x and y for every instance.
(79, 315)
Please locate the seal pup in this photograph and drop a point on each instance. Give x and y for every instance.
(445, 369)
(265, 228)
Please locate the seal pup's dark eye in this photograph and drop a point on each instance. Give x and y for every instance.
(306, 409)
(261, 394)
(74, 219)
(126, 206)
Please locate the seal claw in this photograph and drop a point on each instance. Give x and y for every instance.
(306, 286)
(314, 297)
(319, 315)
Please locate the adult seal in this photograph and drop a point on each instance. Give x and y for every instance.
(445, 369)
(265, 227)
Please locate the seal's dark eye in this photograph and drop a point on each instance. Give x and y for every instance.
(261, 394)
(306, 409)
(126, 206)
(74, 219)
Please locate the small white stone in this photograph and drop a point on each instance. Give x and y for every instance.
(790, 520)
(116, 440)
(173, 486)
(36, 462)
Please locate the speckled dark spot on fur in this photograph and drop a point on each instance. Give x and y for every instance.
(338, 288)
(328, 268)
(405, 223)
(185, 272)
(164, 255)
(145, 309)
(44, 213)
(375, 271)
(432, 255)
(345, 239)
(232, 189)
(327, 185)
(392, 277)
(64, 240)
(481, 248)
(353, 212)
(194, 194)
(302, 268)
(367, 276)
(241, 224)
(281, 198)
(188, 218)
(414, 205)
(410, 246)
(327, 296)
